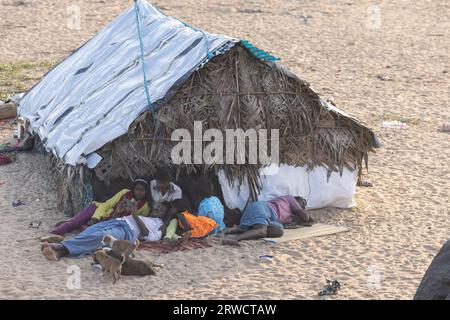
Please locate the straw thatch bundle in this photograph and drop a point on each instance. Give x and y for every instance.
(236, 90)
(73, 184)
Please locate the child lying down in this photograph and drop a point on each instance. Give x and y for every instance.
(179, 219)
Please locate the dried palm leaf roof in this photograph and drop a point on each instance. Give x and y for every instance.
(94, 101)
(236, 90)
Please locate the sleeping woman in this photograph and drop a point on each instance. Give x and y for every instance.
(117, 206)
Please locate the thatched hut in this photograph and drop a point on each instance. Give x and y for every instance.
(91, 112)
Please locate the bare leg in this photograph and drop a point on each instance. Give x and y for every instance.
(257, 231)
(234, 230)
(231, 235)
(274, 232)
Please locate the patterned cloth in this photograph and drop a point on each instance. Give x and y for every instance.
(106, 209)
(284, 207)
(259, 212)
(200, 226)
(212, 208)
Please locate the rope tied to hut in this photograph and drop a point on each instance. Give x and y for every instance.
(209, 54)
(141, 45)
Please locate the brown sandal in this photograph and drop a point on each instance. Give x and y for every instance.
(52, 238)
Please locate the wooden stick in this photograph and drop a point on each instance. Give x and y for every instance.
(235, 94)
(29, 239)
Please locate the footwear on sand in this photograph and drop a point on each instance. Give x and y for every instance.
(52, 238)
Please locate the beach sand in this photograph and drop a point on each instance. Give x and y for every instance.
(396, 68)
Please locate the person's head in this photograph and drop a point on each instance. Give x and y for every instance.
(160, 209)
(302, 201)
(180, 205)
(140, 189)
(163, 178)
(205, 188)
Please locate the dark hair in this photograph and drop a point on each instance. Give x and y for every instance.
(140, 181)
(163, 174)
(167, 204)
(166, 215)
(181, 205)
(205, 188)
(302, 201)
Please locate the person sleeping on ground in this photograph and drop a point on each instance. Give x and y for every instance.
(266, 218)
(117, 206)
(163, 189)
(180, 219)
(129, 228)
(179, 222)
(189, 225)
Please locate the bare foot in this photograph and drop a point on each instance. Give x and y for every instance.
(48, 252)
(233, 230)
(231, 237)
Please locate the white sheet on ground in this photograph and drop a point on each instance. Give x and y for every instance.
(337, 192)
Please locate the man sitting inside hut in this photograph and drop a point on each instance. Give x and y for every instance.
(162, 189)
(266, 218)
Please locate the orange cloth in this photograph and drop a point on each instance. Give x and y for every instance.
(200, 226)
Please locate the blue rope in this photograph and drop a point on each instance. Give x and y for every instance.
(141, 43)
(209, 54)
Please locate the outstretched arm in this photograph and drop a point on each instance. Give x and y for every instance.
(142, 228)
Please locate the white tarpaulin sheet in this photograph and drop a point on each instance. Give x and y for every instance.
(312, 185)
(93, 96)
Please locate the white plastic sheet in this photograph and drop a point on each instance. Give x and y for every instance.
(337, 192)
(93, 96)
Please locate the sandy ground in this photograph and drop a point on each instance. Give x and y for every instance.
(394, 68)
